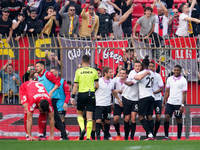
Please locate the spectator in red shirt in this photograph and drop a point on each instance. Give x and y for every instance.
(174, 22)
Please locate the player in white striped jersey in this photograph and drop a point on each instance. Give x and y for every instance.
(146, 99)
(118, 106)
(130, 101)
(157, 89)
(176, 89)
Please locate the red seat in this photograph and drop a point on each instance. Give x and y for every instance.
(134, 20)
(179, 4)
(148, 5)
(57, 30)
(180, 1)
(88, 1)
(143, 1)
(155, 11)
(138, 11)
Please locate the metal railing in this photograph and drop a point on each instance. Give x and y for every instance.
(165, 52)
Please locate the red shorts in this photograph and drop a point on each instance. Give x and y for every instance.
(24, 100)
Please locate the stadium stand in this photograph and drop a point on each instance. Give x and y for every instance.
(138, 11)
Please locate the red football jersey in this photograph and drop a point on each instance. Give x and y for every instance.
(32, 92)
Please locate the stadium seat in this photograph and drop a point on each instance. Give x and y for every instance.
(57, 30)
(138, 11)
(155, 10)
(180, 1)
(143, 1)
(179, 4)
(134, 20)
(148, 5)
(88, 1)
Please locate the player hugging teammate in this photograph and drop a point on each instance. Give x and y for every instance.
(138, 92)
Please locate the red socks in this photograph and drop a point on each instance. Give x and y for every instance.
(42, 122)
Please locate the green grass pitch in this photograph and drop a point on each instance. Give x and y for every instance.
(98, 145)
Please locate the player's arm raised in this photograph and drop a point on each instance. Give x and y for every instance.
(51, 122)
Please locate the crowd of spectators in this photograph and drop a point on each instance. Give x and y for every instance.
(106, 18)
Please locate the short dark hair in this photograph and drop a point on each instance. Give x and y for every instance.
(30, 65)
(31, 76)
(148, 8)
(178, 66)
(86, 58)
(137, 61)
(91, 5)
(105, 70)
(181, 7)
(146, 61)
(55, 68)
(152, 63)
(69, 82)
(33, 10)
(98, 69)
(41, 62)
(113, 15)
(44, 105)
(10, 65)
(50, 7)
(72, 6)
(123, 69)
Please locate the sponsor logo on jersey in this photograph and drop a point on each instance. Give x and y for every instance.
(86, 72)
(42, 95)
(32, 107)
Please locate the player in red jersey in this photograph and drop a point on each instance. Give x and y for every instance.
(34, 95)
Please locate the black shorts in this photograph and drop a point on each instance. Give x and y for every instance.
(103, 112)
(117, 110)
(93, 115)
(145, 106)
(86, 101)
(129, 106)
(158, 106)
(173, 108)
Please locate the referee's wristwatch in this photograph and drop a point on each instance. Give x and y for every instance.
(182, 105)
